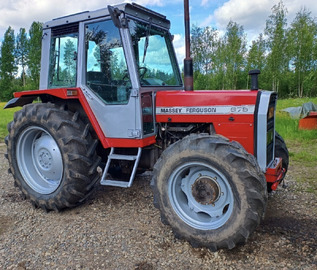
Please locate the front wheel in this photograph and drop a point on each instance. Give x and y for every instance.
(211, 191)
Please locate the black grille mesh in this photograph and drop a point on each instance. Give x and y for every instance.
(65, 29)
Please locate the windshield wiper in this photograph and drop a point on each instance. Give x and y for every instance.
(146, 43)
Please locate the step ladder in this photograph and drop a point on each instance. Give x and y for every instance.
(117, 183)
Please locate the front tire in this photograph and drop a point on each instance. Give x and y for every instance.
(52, 156)
(210, 191)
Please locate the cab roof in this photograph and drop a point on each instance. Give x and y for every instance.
(132, 10)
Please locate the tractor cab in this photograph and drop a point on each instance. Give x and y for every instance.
(118, 57)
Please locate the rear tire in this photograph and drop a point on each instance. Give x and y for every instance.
(210, 191)
(52, 156)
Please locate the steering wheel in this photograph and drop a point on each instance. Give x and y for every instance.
(142, 71)
(125, 76)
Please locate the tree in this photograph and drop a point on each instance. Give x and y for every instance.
(204, 47)
(21, 52)
(205, 51)
(275, 31)
(70, 60)
(234, 54)
(302, 36)
(256, 56)
(7, 67)
(34, 49)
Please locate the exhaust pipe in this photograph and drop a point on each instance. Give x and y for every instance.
(254, 79)
(188, 61)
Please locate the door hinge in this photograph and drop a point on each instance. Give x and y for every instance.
(134, 93)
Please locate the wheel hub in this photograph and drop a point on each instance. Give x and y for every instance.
(205, 190)
(48, 157)
(45, 159)
(200, 195)
(40, 160)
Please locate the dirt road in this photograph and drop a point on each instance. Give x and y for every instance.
(120, 229)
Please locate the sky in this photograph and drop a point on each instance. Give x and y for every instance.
(252, 15)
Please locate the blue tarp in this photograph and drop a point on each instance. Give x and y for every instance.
(301, 111)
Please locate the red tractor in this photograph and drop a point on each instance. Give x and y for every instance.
(112, 100)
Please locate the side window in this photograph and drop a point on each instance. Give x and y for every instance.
(63, 57)
(106, 68)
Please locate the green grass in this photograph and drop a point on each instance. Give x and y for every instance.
(288, 127)
(302, 144)
(6, 116)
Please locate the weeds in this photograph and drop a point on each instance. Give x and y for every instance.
(6, 116)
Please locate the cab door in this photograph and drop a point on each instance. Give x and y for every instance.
(109, 82)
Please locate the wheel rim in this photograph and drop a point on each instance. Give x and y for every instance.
(39, 160)
(200, 195)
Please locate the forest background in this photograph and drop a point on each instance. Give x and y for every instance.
(285, 55)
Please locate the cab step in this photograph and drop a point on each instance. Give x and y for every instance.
(118, 183)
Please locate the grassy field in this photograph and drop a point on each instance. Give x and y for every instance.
(302, 144)
(6, 116)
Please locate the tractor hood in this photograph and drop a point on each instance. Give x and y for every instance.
(177, 106)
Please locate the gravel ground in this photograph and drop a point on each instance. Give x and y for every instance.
(120, 229)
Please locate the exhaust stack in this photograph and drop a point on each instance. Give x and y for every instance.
(188, 61)
(254, 78)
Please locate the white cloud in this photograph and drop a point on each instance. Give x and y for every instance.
(179, 46)
(253, 15)
(21, 13)
(249, 14)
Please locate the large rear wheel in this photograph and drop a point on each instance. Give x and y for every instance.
(211, 191)
(52, 156)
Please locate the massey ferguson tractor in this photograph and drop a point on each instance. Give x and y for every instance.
(112, 102)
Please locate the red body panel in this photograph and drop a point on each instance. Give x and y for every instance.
(230, 112)
(106, 142)
(275, 173)
(60, 93)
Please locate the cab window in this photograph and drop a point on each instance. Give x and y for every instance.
(63, 57)
(106, 68)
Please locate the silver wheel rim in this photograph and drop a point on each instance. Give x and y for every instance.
(39, 160)
(200, 195)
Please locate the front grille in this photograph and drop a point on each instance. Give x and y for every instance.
(270, 134)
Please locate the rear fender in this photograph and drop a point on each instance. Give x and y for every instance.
(26, 97)
(19, 101)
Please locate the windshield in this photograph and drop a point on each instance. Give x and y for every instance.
(154, 54)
